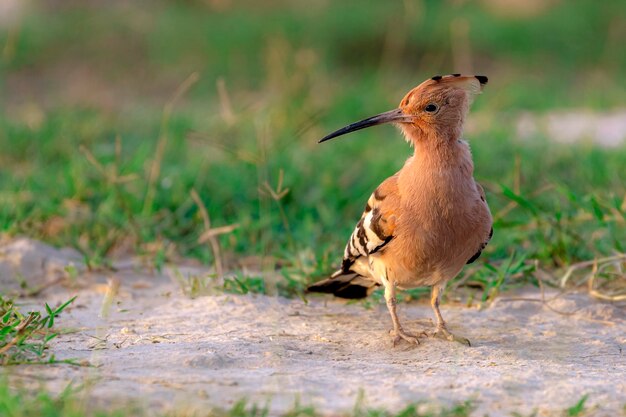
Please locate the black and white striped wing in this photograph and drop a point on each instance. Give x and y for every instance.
(373, 231)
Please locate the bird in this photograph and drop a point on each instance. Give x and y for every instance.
(423, 224)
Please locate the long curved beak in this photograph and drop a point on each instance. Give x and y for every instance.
(393, 116)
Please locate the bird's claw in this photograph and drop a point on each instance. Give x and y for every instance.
(445, 334)
(401, 334)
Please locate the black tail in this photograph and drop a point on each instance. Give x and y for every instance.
(345, 285)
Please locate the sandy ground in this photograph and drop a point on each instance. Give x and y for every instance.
(165, 350)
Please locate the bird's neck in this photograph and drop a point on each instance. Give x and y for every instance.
(437, 166)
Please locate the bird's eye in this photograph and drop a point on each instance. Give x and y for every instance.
(431, 108)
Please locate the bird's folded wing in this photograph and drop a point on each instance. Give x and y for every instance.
(376, 226)
(481, 191)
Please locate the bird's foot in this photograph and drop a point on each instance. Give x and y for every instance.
(445, 334)
(400, 334)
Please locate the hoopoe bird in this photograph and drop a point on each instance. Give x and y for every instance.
(424, 223)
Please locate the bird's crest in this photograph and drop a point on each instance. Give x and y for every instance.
(472, 84)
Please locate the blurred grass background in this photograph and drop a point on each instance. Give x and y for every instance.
(113, 112)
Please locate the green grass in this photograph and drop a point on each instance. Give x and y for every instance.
(24, 338)
(22, 403)
(19, 402)
(110, 168)
(16, 401)
(72, 402)
(194, 285)
(578, 409)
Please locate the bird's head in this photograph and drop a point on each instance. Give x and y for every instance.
(435, 108)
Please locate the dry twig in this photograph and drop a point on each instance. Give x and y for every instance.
(155, 168)
(210, 234)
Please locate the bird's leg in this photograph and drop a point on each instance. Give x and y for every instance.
(442, 331)
(397, 332)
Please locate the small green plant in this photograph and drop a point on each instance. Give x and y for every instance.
(493, 277)
(25, 338)
(239, 284)
(532, 414)
(418, 410)
(72, 273)
(195, 286)
(579, 408)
